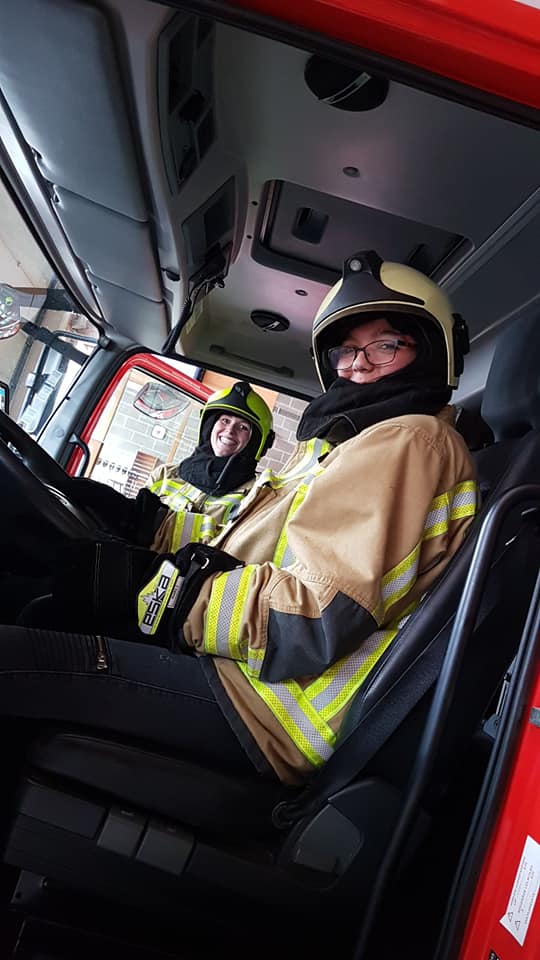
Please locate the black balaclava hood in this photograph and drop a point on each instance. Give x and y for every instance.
(347, 408)
(219, 475)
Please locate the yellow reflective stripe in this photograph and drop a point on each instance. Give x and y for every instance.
(313, 737)
(212, 614)
(177, 495)
(331, 692)
(281, 546)
(235, 644)
(461, 501)
(283, 539)
(455, 504)
(166, 487)
(304, 714)
(315, 450)
(187, 529)
(255, 660)
(266, 478)
(176, 538)
(190, 491)
(208, 528)
(381, 640)
(228, 501)
(298, 499)
(400, 579)
(222, 634)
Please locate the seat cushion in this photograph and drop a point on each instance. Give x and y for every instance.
(160, 784)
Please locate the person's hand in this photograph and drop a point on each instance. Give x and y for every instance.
(129, 592)
(165, 600)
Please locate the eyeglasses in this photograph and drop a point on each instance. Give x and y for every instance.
(377, 353)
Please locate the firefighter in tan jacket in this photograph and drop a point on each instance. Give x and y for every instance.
(206, 489)
(296, 601)
(291, 607)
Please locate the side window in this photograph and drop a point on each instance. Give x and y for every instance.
(146, 422)
(44, 341)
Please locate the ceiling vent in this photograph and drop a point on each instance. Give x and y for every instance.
(268, 321)
(344, 87)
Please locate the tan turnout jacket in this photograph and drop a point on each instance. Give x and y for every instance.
(198, 516)
(339, 549)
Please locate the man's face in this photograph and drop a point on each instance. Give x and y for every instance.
(229, 435)
(380, 338)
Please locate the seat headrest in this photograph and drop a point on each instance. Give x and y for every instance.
(511, 402)
(473, 428)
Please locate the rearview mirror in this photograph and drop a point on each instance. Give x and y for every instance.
(160, 402)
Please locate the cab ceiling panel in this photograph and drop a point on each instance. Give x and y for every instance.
(415, 156)
(118, 251)
(422, 179)
(61, 79)
(311, 233)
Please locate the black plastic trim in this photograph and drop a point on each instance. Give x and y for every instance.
(499, 768)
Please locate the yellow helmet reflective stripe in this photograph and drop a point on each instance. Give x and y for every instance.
(370, 285)
(242, 401)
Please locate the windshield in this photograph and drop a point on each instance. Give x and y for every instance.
(44, 341)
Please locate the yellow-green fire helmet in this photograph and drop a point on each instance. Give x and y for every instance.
(240, 400)
(370, 285)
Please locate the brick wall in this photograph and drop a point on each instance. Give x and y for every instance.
(130, 433)
(286, 414)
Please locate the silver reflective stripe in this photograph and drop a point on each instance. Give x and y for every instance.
(314, 739)
(331, 692)
(178, 496)
(230, 502)
(283, 555)
(226, 611)
(315, 449)
(208, 528)
(453, 505)
(288, 557)
(190, 524)
(234, 510)
(295, 714)
(401, 578)
(461, 501)
(223, 622)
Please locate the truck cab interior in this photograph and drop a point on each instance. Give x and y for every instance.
(197, 180)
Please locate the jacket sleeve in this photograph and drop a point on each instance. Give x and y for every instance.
(357, 540)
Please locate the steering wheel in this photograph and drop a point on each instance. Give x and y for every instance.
(40, 481)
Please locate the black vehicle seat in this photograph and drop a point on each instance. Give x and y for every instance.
(92, 805)
(476, 432)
